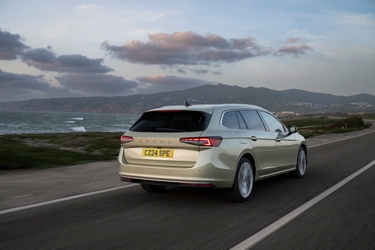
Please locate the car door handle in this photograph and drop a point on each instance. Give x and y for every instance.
(278, 139)
(253, 138)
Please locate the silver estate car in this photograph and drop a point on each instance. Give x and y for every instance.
(226, 146)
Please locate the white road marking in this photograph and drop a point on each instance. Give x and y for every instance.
(63, 199)
(246, 244)
(343, 139)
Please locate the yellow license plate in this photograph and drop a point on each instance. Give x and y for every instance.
(161, 153)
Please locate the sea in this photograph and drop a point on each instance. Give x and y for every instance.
(27, 122)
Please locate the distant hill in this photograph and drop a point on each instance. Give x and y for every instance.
(287, 100)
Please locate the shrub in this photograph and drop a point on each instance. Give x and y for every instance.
(355, 121)
(350, 122)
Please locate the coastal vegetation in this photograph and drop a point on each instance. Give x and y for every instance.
(314, 126)
(39, 151)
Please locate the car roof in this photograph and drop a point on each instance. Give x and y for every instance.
(203, 107)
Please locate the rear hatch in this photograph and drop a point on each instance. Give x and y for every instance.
(155, 139)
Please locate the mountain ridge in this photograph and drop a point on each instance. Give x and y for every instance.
(300, 101)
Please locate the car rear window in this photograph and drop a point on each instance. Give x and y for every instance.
(172, 121)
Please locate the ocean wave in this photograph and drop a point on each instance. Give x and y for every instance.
(19, 125)
(16, 122)
(79, 129)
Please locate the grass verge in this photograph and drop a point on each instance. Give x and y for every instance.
(309, 127)
(40, 151)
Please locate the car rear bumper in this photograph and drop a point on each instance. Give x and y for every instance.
(202, 174)
(167, 183)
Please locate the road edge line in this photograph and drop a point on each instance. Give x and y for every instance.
(342, 139)
(256, 238)
(10, 210)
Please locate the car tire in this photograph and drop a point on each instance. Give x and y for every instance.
(153, 188)
(243, 182)
(301, 165)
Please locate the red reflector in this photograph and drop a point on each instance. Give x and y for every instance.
(125, 139)
(212, 141)
(125, 178)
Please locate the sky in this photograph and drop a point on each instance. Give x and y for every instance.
(69, 48)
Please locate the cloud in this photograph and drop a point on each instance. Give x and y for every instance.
(22, 81)
(184, 70)
(97, 84)
(181, 71)
(163, 83)
(186, 48)
(354, 19)
(21, 86)
(47, 60)
(200, 71)
(292, 40)
(87, 6)
(293, 31)
(290, 49)
(313, 36)
(293, 50)
(10, 45)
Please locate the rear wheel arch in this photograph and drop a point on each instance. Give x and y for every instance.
(252, 161)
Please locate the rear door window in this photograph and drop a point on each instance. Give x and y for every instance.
(172, 121)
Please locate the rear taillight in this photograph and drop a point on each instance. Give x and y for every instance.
(212, 141)
(125, 139)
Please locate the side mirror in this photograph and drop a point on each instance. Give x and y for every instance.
(292, 129)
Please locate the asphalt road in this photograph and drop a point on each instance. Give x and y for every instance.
(203, 219)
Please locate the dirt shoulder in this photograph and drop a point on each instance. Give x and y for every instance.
(20, 188)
